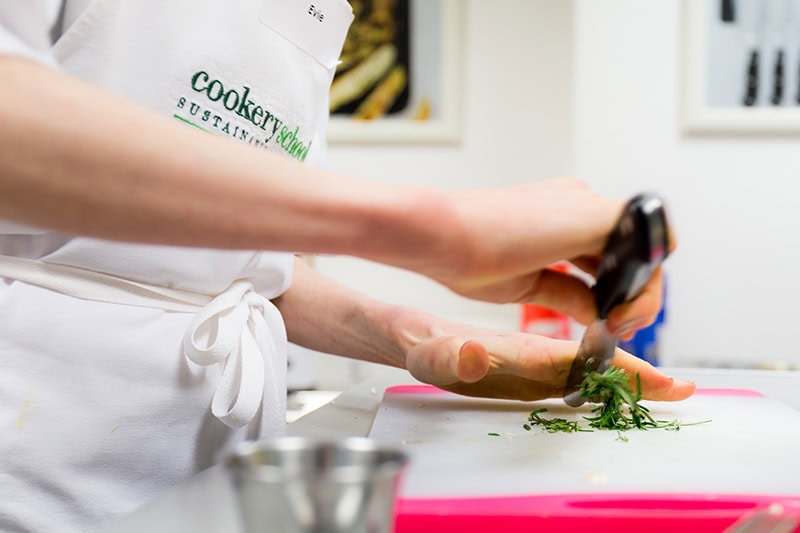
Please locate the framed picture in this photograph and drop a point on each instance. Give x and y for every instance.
(741, 66)
(399, 79)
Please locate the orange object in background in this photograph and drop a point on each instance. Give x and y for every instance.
(545, 321)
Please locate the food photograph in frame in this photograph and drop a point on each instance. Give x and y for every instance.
(398, 76)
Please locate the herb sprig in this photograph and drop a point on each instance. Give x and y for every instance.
(618, 407)
(613, 394)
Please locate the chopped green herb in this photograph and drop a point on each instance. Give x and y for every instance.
(552, 425)
(618, 407)
(493, 434)
(612, 392)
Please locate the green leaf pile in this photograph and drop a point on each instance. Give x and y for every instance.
(617, 408)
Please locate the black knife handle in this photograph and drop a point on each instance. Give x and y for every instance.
(778, 79)
(751, 92)
(728, 11)
(638, 244)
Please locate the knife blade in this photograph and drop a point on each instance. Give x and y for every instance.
(637, 245)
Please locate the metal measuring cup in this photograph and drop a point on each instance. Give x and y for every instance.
(299, 485)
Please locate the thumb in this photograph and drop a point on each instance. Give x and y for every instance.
(447, 360)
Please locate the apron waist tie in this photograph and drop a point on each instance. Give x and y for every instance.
(239, 329)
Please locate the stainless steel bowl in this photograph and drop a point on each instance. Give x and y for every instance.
(294, 484)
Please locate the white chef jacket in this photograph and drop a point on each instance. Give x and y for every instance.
(100, 407)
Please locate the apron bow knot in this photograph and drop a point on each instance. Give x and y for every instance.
(232, 330)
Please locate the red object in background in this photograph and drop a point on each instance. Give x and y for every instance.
(545, 321)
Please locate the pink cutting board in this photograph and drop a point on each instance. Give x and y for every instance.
(700, 478)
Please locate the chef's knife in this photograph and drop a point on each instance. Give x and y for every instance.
(753, 22)
(779, 12)
(637, 245)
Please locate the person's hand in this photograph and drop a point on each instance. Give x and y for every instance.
(519, 366)
(513, 234)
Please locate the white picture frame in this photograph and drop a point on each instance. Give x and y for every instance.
(434, 25)
(699, 116)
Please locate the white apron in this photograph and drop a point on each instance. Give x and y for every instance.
(126, 368)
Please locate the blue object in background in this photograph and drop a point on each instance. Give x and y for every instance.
(644, 343)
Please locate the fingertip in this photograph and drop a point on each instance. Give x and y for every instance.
(473, 362)
(656, 385)
(668, 389)
(682, 389)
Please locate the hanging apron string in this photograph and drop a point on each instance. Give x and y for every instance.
(239, 329)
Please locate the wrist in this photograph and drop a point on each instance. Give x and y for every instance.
(418, 230)
(406, 328)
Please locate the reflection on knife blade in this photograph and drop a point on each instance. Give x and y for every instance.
(594, 354)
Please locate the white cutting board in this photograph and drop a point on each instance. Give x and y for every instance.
(751, 446)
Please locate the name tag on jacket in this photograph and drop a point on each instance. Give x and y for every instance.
(318, 27)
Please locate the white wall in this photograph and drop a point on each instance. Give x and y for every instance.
(733, 283)
(517, 123)
(591, 88)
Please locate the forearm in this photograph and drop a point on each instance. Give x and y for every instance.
(77, 159)
(325, 316)
(80, 160)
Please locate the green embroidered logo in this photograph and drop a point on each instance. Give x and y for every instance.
(258, 125)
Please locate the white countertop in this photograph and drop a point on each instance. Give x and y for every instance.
(205, 503)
